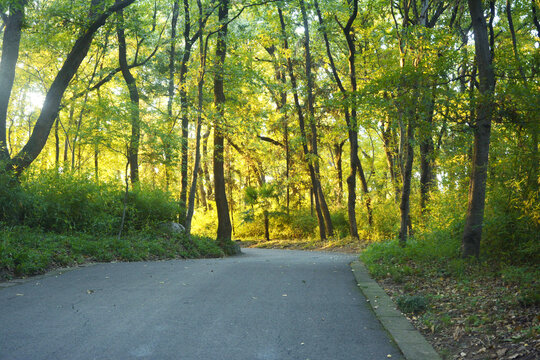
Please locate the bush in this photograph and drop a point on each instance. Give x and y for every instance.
(13, 199)
(148, 207)
(67, 202)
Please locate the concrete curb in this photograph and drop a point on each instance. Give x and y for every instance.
(411, 343)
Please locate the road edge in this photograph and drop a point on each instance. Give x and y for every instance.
(412, 344)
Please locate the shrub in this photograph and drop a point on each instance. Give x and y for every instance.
(148, 207)
(68, 202)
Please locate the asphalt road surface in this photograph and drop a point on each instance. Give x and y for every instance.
(264, 304)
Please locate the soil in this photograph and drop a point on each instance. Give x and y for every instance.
(479, 320)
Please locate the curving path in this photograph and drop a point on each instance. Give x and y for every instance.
(264, 304)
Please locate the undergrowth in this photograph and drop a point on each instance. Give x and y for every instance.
(25, 251)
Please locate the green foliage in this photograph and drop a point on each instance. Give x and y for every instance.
(149, 206)
(13, 200)
(67, 202)
(414, 304)
(296, 225)
(25, 251)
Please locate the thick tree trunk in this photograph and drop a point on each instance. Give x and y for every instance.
(482, 130)
(133, 148)
(51, 105)
(224, 223)
(314, 180)
(10, 55)
(313, 126)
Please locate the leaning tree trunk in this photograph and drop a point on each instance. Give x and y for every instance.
(224, 222)
(10, 55)
(482, 130)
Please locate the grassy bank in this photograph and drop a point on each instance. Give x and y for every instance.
(25, 251)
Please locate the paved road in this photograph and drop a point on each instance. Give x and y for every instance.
(264, 304)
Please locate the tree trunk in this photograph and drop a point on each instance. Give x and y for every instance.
(56, 143)
(389, 144)
(206, 170)
(351, 118)
(404, 205)
(338, 150)
(188, 44)
(10, 55)
(313, 126)
(427, 148)
(133, 149)
(482, 130)
(266, 226)
(314, 180)
(224, 223)
(200, 97)
(170, 89)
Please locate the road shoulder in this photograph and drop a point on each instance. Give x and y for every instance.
(411, 343)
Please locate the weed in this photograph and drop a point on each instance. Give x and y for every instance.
(414, 304)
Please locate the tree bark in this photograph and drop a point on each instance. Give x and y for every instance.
(131, 83)
(224, 223)
(391, 151)
(338, 150)
(482, 130)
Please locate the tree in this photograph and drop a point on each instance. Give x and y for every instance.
(224, 229)
(49, 111)
(131, 83)
(472, 233)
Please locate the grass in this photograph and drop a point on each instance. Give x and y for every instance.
(25, 251)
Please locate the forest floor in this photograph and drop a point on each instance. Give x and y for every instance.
(485, 316)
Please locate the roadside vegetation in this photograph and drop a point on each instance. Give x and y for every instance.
(58, 220)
